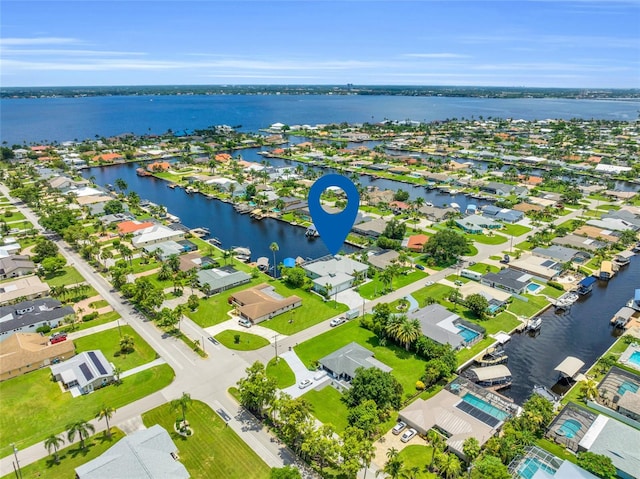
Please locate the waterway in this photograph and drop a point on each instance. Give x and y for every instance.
(583, 331)
(231, 228)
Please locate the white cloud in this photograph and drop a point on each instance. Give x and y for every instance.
(79, 53)
(434, 55)
(38, 41)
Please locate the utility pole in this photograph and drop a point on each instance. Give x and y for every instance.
(276, 345)
(15, 454)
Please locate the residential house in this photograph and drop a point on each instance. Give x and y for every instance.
(84, 373)
(445, 327)
(581, 242)
(371, 229)
(495, 297)
(343, 363)
(613, 224)
(435, 213)
(499, 189)
(30, 287)
(165, 249)
(15, 265)
(25, 352)
(416, 242)
(128, 227)
(598, 233)
(508, 279)
(146, 453)
(383, 259)
(262, 302)
(27, 316)
(561, 254)
(291, 203)
(222, 279)
(337, 272)
(536, 463)
(502, 214)
(155, 234)
(624, 215)
(537, 266)
(476, 224)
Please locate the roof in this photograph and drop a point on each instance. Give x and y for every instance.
(222, 279)
(473, 287)
(148, 453)
(85, 368)
(607, 435)
(630, 401)
(131, 226)
(26, 313)
(29, 286)
(491, 372)
(383, 259)
(262, 300)
(437, 323)
(417, 241)
(570, 366)
(588, 281)
(11, 263)
(509, 277)
(557, 252)
(351, 357)
(154, 233)
(334, 264)
(21, 349)
(107, 157)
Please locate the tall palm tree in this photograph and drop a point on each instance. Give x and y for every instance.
(53, 442)
(274, 247)
(106, 413)
(174, 262)
(81, 428)
(182, 404)
(589, 389)
(408, 332)
(451, 466)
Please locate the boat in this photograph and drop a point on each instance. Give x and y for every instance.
(190, 189)
(565, 301)
(544, 392)
(215, 241)
(586, 285)
(241, 254)
(634, 303)
(429, 204)
(492, 357)
(311, 232)
(142, 172)
(534, 324)
(263, 263)
(172, 185)
(455, 206)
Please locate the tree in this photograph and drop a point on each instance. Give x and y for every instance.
(257, 390)
(126, 344)
(274, 248)
(446, 246)
(394, 229)
(489, 467)
(597, 464)
(471, 448)
(181, 404)
(121, 185)
(375, 384)
(174, 263)
(286, 472)
(295, 277)
(53, 264)
(401, 195)
(80, 428)
(572, 195)
(478, 305)
(44, 248)
(365, 416)
(193, 302)
(106, 413)
(394, 465)
(113, 207)
(450, 466)
(53, 442)
(357, 451)
(589, 389)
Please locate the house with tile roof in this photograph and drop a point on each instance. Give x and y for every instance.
(25, 352)
(262, 302)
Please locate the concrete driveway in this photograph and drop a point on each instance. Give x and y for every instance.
(301, 372)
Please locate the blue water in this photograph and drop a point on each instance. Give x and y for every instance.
(485, 406)
(569, 428)
(493, 308)
(63, 119)
(467, 334)
(635, 359)
(533, 287)
(628, 386)
(531, 465)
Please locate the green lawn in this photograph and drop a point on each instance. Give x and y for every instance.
(482, 268)
(99, 304)
(248, 341)
(328, 407)
(69, 458)
(109, 343)
(33, 406)
(101, 319)
(527, 309)
(417, 455)
(515, 230)
(67, 275)
(485, 239)
(281, 371)
(16, 216)
(454, 277)
(214, 450)
(553, 292)
(407, 367)
(374, 288)
(465, 354)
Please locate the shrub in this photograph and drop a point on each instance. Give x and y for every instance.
(236, 338)
(555, 285)
(420, 386)
(90, 316)
(8, 214)
(44, 329)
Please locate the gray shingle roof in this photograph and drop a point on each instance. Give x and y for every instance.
(349, 358)
(35, 311)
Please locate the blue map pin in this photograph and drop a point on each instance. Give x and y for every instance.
(333, 228)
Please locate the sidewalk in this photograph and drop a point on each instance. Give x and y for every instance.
(149, 365)
(95, 329)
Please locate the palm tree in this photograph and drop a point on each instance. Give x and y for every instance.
(53, 442)
(82, 428)
(121, 185)
(393, 467)
(589, 389)
(274, 247)
(106, 412)
(451, 466)
(126, 343)
(174, 262)
(182, 403)
(408, 331)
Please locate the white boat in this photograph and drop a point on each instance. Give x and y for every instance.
(534, 324)
(311, 232)
(455, 206)
(566, 300)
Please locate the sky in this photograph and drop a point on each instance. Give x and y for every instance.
(553, 43)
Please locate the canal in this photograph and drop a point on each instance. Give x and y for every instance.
(583, 332)
(230, 227)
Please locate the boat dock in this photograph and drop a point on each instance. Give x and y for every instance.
(565, 301)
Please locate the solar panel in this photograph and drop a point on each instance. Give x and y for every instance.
(85, 370)
(478, 414)
(548, 263)
(97, 363)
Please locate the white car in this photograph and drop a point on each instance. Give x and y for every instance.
(398, 428)
(305, 383)
(408, 435)
(337, 321)
(428, 283)
(244, 322)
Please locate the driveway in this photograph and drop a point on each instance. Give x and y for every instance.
(301, 372)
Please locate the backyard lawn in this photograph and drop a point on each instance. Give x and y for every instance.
(109, 343)
(246, 341)
(528, 309)
(328, 407)
(417, 456)
(407, 367)
(374, 288)
(281, 371)
(33, 406)
(214, 450)
(70, 457)
(515, 230)
(67, 275)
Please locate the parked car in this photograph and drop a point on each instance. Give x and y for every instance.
(428, 283)
(305, 383)
(505, 259)
(399, 427)
(58, 339)
(244, 322)
(408, 435)
(458, 282)
(58, 335)
(420, 267)
(213, 340)
(337, 321)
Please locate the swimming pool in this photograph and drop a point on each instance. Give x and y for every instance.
(484, 406)
(569, 428)
(635, 359)
(533, 287)
(467, 334)
(493, 308)
(628, 386)
(531, 465)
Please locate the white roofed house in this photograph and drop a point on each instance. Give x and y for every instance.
(155, 234)
(338, 271)
(86, 372)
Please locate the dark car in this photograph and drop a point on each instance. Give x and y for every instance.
(420, 267)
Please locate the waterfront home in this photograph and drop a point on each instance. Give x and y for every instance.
(619, 390)
(502, 214)
(580, 242)
(606, 271)
(131, 226)
(461, 410)
(25, 352)
(536, 463)
(541, 268)
(613, 224)
(343, 363)
(228, 185)
(222, 279)
(143, 453)
(84, 373)
(623, 258)
(599, 234)
(164, 250)
(336, 273)
(493, 378)
(262, 302)
(508, 279)
(291, 203)
(371, 229)
(155, 234)
(444, 327)
(495, 297)
(561, 254)
(27, 316)
(476, 224)
(16, 265)
(27, 288)
(108, 158)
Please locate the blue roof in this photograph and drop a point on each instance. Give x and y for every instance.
(588, 281)
(637, 296)
(289, 262)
